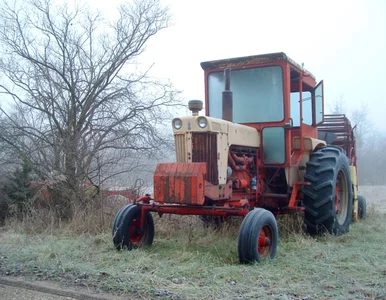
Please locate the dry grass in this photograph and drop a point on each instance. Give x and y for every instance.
(44, 221)
(91, 219)
(190, 261)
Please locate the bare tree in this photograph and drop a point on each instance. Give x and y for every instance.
(359, 119)
(363, 125)
(370, 142)
(76, 87)
(339, 106)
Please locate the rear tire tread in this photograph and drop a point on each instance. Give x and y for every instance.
(319, 197)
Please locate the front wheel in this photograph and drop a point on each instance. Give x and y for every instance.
(127, 232)
(361, 207)
(258, 236)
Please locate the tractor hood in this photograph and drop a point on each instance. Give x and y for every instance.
(237, 134)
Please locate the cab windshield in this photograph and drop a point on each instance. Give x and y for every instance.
(257, 94)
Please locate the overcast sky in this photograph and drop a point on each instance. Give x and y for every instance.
(341, 42)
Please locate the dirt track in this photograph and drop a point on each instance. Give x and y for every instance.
(19, 289)
(12, 292)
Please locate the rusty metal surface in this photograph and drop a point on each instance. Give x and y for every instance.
(222, 192)
(204, 149)
(252, 60)
(340, 126)
(246, 60)
(224, 211)
(181, 183)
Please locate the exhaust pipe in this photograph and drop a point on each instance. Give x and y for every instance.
(227, 98)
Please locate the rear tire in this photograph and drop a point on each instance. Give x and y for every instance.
(328, 200)
(127, 233)
(258, 236)
(362, 207)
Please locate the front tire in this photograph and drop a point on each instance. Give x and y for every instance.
(258, 236)
(126, 228)
(328, 199)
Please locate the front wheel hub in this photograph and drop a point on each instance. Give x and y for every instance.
(264, 241)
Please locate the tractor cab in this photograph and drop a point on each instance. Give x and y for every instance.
(273, 94)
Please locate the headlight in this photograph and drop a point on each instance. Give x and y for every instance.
(202, 122)
(177, 124)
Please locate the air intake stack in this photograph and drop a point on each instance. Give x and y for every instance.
(227, 98)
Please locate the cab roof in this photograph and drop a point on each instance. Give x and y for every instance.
(254, 59)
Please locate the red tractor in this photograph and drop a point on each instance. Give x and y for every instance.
(263, 149)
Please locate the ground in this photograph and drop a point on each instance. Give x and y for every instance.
(187, 262)
(21, 289)
(376, 196)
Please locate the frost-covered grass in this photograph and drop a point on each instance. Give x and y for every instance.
(190, 261)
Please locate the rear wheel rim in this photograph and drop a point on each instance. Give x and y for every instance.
(264, 241)
(341, 197)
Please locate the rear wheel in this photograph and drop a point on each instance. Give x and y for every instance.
(127, 232)
(258, 236)
(328, 199)
(361, 207)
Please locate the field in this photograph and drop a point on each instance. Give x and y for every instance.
(188, 261)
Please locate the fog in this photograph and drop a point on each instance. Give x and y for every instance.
(341, 42)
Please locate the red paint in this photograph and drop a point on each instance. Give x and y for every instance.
(181, 183)
(220, 211)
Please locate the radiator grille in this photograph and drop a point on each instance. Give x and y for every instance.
(204, 149)
(180, 147)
